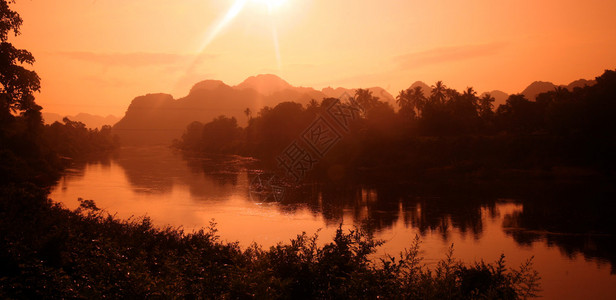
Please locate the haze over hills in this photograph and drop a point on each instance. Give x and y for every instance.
(159, 118)
(265, 84)
(500, 97)
(536, 88)
(91, 121)
(539, 87)
(530, 92)
(426, 89)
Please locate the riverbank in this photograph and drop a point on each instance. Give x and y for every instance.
(50, 251)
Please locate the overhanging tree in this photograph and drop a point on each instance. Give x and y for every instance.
(17, 84)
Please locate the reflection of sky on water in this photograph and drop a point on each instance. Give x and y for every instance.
(162, 185)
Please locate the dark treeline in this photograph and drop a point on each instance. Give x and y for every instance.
(38, 152)
(50, 252)
(443, 131)
(29, 150)
(72, 139)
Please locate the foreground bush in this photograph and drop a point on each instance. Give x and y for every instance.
(47, 251)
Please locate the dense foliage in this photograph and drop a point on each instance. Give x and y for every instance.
(29, 150)
(446, 129)
(50, 252)
(72, 139)
(222, 135)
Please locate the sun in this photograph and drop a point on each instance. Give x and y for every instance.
(233, 11)
(271, 4)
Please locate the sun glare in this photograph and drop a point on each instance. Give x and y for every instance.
(233, 11)
(271, 4)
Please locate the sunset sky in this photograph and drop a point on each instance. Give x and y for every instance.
(95, 56)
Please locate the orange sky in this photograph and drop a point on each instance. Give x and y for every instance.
(95, 56)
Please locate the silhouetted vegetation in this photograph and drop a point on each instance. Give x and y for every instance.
(39, 156)
(73, 139)
(47, 251)
(30, 151)
(20, 117)
(444, 131)
(222, 135)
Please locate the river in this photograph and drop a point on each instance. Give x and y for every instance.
(567, 226)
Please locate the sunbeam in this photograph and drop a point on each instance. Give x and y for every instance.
(235, 9)
(230, 15)
(276, 46)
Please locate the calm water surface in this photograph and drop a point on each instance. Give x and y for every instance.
(567, 228)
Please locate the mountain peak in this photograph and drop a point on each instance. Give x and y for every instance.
(426, 89)
(537, 88)
(265, 84)
(580, 83)
(207, 85)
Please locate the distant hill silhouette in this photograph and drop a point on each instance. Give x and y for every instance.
(91, 121)
(265, 84)
(580, 83)
(539, 87)
(207, 85)
(425, 88)
(340, 92)
(500, 97)
(536, 88)
(158, 119)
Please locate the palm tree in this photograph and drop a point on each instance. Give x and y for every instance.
(418, 100)
(411, 99)
(471, 95)
(438, 92)
(406, 105)
(403, 98)
(486, 106)
(365, 99)
(561, 93)
(451, 94)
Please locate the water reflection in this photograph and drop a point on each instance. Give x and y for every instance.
(158, 169)
(576, 217)
(479, 217)
(380, 207)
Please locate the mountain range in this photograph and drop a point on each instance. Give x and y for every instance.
(530, 92)
(91, 121)
(539, 87)
(159, 118)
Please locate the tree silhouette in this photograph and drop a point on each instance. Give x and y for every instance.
(403, 98)
(365, 99)
(248, 113)
(222, 135)
(470, 95)
(411, 102)
(486, 105)
(17, 84)
(418, 99)
(404, 102)
(518, 114)
(486, 108)
(438, 92)
(313, 105)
